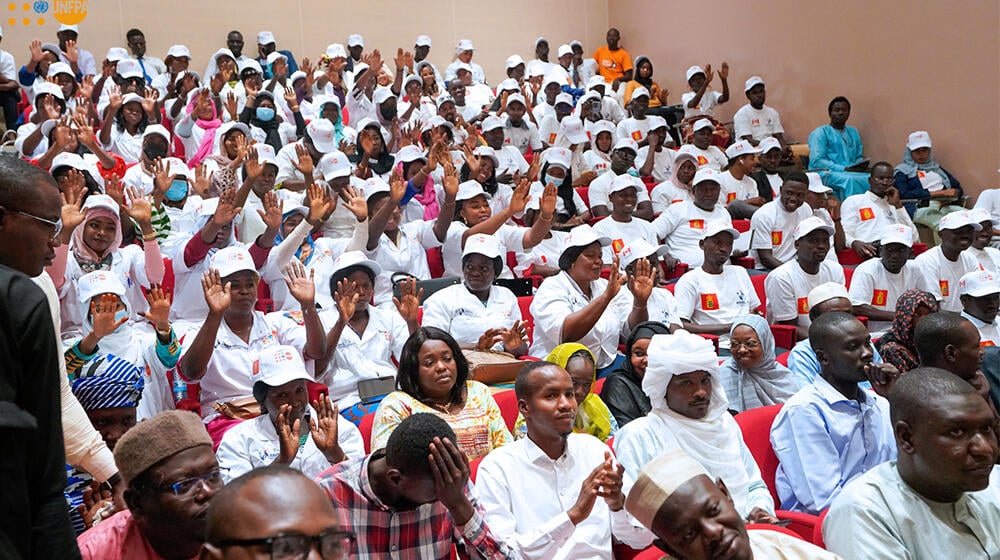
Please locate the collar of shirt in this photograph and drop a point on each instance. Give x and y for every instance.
(535, 455)
(979, 324)
(832, 396)
(365, 483)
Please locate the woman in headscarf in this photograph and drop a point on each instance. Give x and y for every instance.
(752, 377)
(690, 412)
(598, 157)
(372, 150)
(622, 391)
(197, 129)
(678, 188)
(108, 389)
(262, 112)
(920, 177)
(897, 346)
(644, 78)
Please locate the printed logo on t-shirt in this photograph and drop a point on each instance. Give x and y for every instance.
(755, 122)
(986, 343)
(709, 302)
(944, 287)
(552, 138)
(921, 174)
(866, 214)
(506, 140)
(879, 297)
(803, 305)
(636, 135)
(696, 224)
(776, 237)
(730, 197)
(702, 160)
(617, 245)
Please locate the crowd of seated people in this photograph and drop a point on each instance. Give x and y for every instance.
(537, 320)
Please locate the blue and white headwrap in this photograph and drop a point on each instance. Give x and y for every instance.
(108, 382)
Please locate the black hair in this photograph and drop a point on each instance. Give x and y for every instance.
(569, 256)
(408, 374)
(797, 176)
(342, 274)
(645, 82)
(834, 101)
(409, 444)
(881, 164)
(133, 32)
(490, 185)
(912, 394)
(93, 187)
(564, 189)
(934, 332)
(829, 327)
(523, 388)
(497, 263)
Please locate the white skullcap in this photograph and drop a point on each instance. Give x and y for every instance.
(657, 480)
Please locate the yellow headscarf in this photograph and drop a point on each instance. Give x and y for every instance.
(592, 416)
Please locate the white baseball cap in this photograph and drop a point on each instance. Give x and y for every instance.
(825, 292)
(571, 128)
(494, 122)
(810, 225)
(558, 156)
(703, 123)
(534, 68)
(323, 135)
(553, 78)
(100, 201)
(816, 184)
(158, 130)
(516, 98)
(251, 64)
(540, 39)
(602, 126)
(513, 61)
(469, 190)
(565, 99)
(751, 82)
(274, 56)
(627, 144)
(692, 72)
(510, 84)
(371, 186)
(128, 68)
(640, 92)
(639, 249)
(231, 260)
(355, 40)
(131, 98)
(743, 147)
(464, 45)
(334, 164)
(897, 233)
(66, 27)
(336, 50)
(564, 50)
(706, 174)
(115, 54)
(444, 98)
(462, 67)
(98, 282)
(978, 283)
(715, 227)
(482, 244)
(656, 122)
(596, 81)
(434, 122)
(265, 154)
(265, 38)
(178, 51)
(274, 366)
(918, 139)
(67, 159)
(57, 68)
(355, 258)
(768, 144)
(486, 151)
(625, 181)
(410, 153)
(582, 236)
(176, 166)
(958, 220)
(981, 215)
(422, 41)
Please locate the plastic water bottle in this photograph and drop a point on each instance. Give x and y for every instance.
(180, 389)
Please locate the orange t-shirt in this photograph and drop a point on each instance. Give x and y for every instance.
(612, 64)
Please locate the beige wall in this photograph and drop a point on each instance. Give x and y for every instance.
(904, 65)
(307, 26)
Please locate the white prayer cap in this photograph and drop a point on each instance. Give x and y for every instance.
(658, 480)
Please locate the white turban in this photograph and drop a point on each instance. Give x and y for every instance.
(676, 354)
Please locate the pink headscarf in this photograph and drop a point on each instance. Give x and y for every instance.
(428, 198)
(208, 139)
(84, 254)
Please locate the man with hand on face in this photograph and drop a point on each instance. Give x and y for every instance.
(413, 497)
(690, 413)
(866, 215)
(941, 497)
(774, 223)
(767, 177)
(171, 476)
(833, 430)
(701, 146)
(307, 524)
(555, 494)
(694, 518)
(944, 266)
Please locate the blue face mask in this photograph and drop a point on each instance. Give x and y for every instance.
(554, 180)
(177, 191)
(265, 114)
(120, 314)
(633, 172)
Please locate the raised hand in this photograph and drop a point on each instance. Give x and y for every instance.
(450, 468)
(114, 96)
(397, 185)
(102, 312)
(641, 282)
(86, 88)
(408, 303)
(50, 109)
(550, 196)
(231, 105)
(149, 101)
(288, 435)
(159, 307)
(320, 204)
(303, 161)
(515, 336)
(616, 279)
(202, 180)
(271, 215)
(162, 178)
(354, 201)
(724, 72)
(709, 74)
(72, 201)
(290, 98)
(227, 210)
(611, 483)
(471, 160)
(216, 83)
(488, 339)
(139, 209)
(347, 299)
(325, 430)
(301, 285)
(252, 168)
(450, 181)
(35, 48)
(72, 54)
(113, 188)
(217, 296)
(519, 200)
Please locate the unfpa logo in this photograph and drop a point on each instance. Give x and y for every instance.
(66, 12)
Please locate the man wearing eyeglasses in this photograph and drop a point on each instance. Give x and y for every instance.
(171, 475)
(866, 215)
(307, 523)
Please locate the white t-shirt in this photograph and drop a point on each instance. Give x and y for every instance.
(601, 187)
(511, 238)
(709, 100)
(873, 285)
(682, 226)
(758, 124)
(661, 306)
(667, 193)
(536, 194)
(711, 157)
(989, 333)
(596, 163)
(128, 264)
(548, 130)
(545, 253)
(663, 162)
(988, 257)
(633, 128)
(522, 137)
(622, 234)
(942, 275)
(711, 299)
(772, 228)
(787, 288)
(736, 189)
(408, 255)
(128, 146)
(511, 161)
(455, 310)
(865, 217)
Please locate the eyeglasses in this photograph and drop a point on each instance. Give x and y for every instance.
(889, 179)
(333, 545)
(749, 345)
(212, 479)
(56, 225)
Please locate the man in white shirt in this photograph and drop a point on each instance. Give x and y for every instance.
(866, 215)
(701, 146)
(656, 159)
(787, 287)
(636, 126)
(755, 121)
(610, 108)
(234, 42)
(773, 224)
(943, 266)
(767, 177)
(683, 225)
(878, 283)
(699, 101)
(510, 159)
(739, 191)
(520, 132)
(584, 68)
(464, 51)
(540, 492)
(713, 295)
(827, 208)
(545, 103)
(548, 127)
(622, 160)
(83, 63)
(979, 293)
(988, 257)
(941, 497)
(150, 65)
(621, 226)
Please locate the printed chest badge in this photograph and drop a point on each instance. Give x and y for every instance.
(866, 214)
(636, 135)
(944, 287)
(880, 297)
(709, 302)
(696, 224)
(776, 237)
(803, 305)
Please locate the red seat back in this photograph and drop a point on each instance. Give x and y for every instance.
(524, 303)
(507, 401)
(758, 286)
(584, 194)
(474, 469)
(818, 529)
(741, 226)
(783, 358)
(849, 257)
(435, 262)
(848, 274)
(755, 424)
(168, 275)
